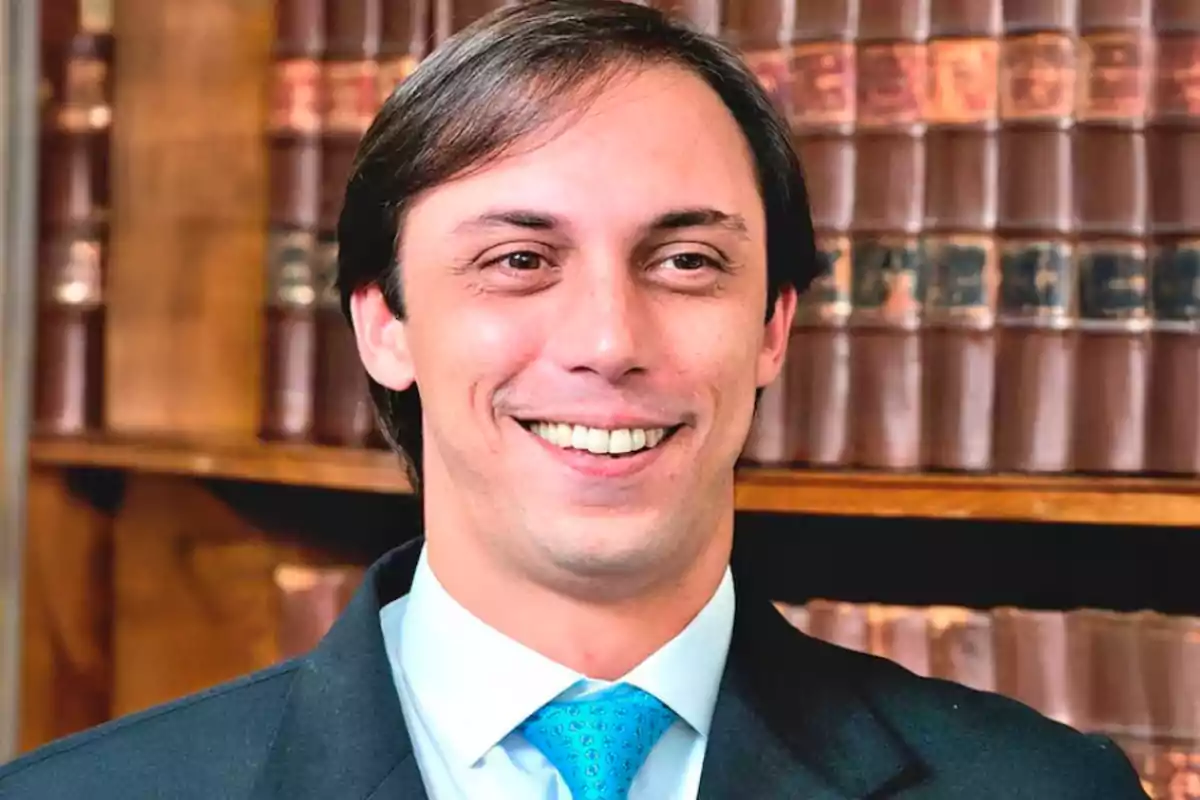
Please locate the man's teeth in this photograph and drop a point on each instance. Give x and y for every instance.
(598, 440)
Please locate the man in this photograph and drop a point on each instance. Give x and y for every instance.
(579, 230)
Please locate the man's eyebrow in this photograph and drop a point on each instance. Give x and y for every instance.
(676, 219)
(510, 218)
(700, 218)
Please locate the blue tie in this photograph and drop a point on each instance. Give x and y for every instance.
(598, 742)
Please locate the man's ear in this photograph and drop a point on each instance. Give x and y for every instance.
(775, 336)
(382, 340)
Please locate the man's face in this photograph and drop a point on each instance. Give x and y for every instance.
(586, 327)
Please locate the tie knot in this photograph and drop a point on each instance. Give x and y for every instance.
(598, 742)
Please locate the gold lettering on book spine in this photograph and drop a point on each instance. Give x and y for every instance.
(963, 75)
(296, 97)
(1115, 77)
(827, 299)
(1177, 77)
(1037, 77)
(823, 80)
(351, 92)
(392, 73)
(891, 84)
(84, 105)
(774, 73)
(76, 274)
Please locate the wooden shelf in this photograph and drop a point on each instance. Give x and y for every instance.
(296, 465)
(1094, 500)
(1069, 499)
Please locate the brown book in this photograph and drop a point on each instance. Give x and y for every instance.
(703, 15)
(900, 634)
(822, 117)
(1035, 337)
(451, 16)
(1169, 758)
(342, 414)
(404, 39)
(840, 623)
(1173, 435)
(961, 647)
(311, 598)
(761, 31)
(959, 348)
(889, 270)
(73, 217)
(1036, 663)
(1111, 209)
(294, 167)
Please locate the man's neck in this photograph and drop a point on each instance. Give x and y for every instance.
(601, 639)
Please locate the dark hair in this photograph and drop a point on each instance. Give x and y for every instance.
(506, 76)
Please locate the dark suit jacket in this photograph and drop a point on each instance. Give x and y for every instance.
(795, 718)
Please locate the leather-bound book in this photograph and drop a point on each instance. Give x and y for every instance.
(900, 634)
(703, 15)
(406, 30)
(294, 167)
(961, 646)
(341, 405)
(1173, 435)
(1037, 662)
(1169, 758)
(889, 270)
(1035, 337)
(451, 16)
(73, 215)
(840, 623)
(762, 31)
(822, 117)
(310, 599)
(959, 353)
(1111, 207)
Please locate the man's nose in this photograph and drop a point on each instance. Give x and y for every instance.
(603, 322)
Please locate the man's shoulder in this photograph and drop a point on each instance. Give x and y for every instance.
(987, 744)
(208, 744)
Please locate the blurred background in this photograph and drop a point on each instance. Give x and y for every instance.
(982, 461)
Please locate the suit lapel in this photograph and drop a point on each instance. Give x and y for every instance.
(342, 732)
(789, 723)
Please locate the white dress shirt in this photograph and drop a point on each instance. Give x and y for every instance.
(464, 687)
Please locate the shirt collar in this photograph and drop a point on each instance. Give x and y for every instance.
(474, 686)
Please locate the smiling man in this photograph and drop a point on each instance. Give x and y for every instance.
(570, 251)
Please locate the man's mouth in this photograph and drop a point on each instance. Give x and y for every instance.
(615, 442)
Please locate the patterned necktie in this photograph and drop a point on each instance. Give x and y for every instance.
(598, 742)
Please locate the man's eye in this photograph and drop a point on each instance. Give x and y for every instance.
(689, 262)
(523, 261)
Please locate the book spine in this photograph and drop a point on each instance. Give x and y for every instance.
(1113, 263)
(1168, 754)
(310, 599)
(1035, 339)
(958, 358)
(761, 31)
(342, 412)
(889, 270)
(73, 218)
(961, 647)
(405, 31)
(451, 16)
(823, 115)
(1173, 426)
(293, 138)
(703, 15)
(1036, 663)
(757, 30)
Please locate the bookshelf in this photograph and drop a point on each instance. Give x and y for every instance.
(148, 552)
(1069, 499)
